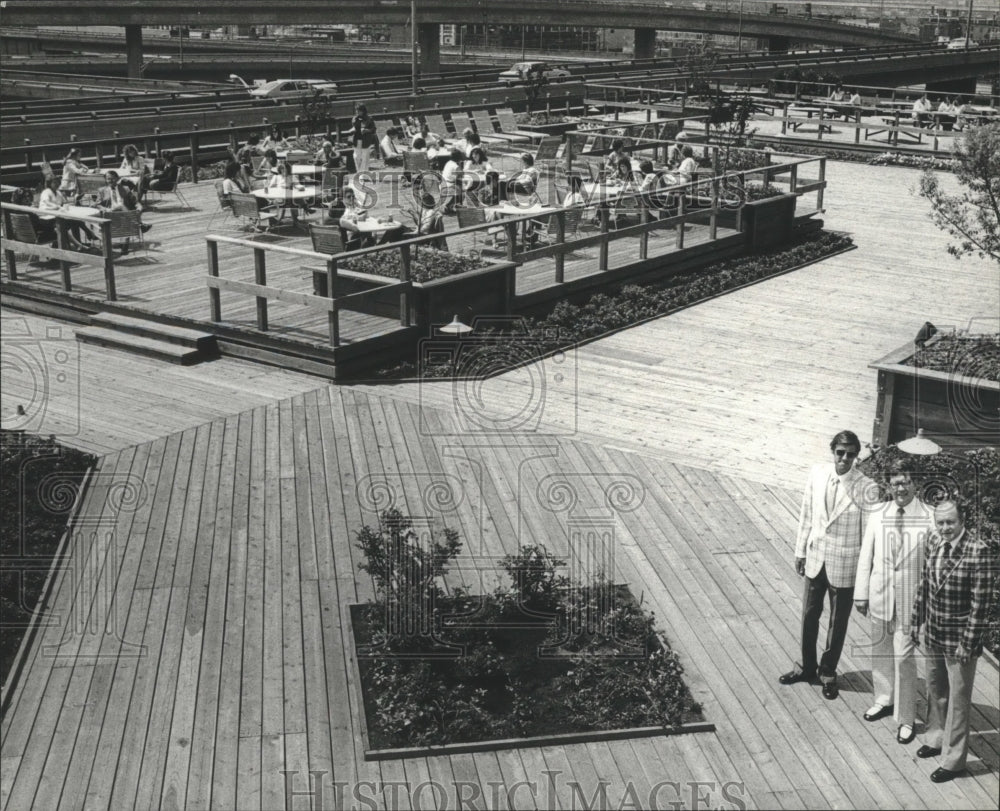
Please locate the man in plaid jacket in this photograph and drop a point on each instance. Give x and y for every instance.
(952, 606)
(831, 523)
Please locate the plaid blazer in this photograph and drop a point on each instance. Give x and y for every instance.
(890, 565)
(833, 540)
(954, 598)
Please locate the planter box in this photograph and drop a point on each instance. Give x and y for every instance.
(486, 291)
(769, 223)
(956, 411)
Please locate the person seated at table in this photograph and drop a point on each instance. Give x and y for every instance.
(478, 165)
(688, 167)
(353, 214)
(164, 180)
(675, 154)
(855, 104)
(618, 164)
(430, 220)
(450, 189)
(274, 139)
(391, 153)
(325, 152)
(281, 177)
(72, 167)
(411, 127)
(425, 134)
(838, 94)
(921, 108)
(524, 183)
(574, 193)
(963, 110)
(53, 200)
(244, 156)
(132, 162)
(233, 181)
(466, 142)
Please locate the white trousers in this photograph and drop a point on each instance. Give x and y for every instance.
(362, 154)
(894, 669)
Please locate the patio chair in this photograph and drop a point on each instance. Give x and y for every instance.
(438, 125)
(47, 172)
(258, 218)
(174, 190)
(24, 231)
(332, 184)
(126, 225)
(469, 217)
(549, 235)
(484, 126)
(326, 239)
(509, 125)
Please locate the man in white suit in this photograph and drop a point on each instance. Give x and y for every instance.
(889, 571)
(831, 523)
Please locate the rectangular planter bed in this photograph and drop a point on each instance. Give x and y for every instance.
(954, 409)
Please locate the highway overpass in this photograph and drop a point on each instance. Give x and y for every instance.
(643, 16)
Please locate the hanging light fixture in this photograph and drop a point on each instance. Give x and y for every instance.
(919, 445)
(456, 327)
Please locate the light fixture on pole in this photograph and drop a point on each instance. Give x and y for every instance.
(739, 31)
(456, 327)
(414, 66)
(919, 445)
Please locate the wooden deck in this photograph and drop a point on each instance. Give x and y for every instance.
(201, 649)
(223, 588)
(169, 276)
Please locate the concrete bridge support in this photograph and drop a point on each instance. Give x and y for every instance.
(133, 50)
(964, 87)
(645, 43)
(778, 45)
(429, 39)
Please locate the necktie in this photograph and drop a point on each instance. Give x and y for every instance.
(943, 559)
(831, 495)
(897, 545)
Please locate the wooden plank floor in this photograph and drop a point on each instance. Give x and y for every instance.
(230, 580)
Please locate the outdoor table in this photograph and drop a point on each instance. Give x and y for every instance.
(78, 211)
(602, 192)
(301, 169)
(472, 179)
(372, 226)
(294, 198)
(506, 209)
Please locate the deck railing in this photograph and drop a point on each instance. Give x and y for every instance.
(66, 258)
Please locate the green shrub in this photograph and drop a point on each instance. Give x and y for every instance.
(427, 264)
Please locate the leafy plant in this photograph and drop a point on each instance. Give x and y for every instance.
(972, 217)
(949, 353)
(535, 578)
(425, 266)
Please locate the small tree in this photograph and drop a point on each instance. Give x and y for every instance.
(972, 217)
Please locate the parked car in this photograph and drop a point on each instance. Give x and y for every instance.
(959, 43)
(289, 88)
(519, 73)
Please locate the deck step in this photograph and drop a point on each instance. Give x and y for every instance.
(140, 345)
(202, 341)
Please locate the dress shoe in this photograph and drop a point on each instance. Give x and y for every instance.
(878, 711)
(943, 775)
(830, 690)
(928, 751)
(911, 733)
(795, 676)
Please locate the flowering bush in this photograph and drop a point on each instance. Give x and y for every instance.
(912, 161)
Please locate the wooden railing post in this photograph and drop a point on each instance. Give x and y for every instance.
(822, 179)
(561, 240)
(605, 214)
(511, 229)
(62, 243)
(9, 254)
(214, 294)
(644, 236)
(260, 277)
(793, 178)
(713, 217)
(193, 143)
(405, 270)
(333, 317)
(681, 211)
(109, 261)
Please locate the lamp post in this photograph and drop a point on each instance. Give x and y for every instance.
(739, 31)
(414, 60)
(968, 27)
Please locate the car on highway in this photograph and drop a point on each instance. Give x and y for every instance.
(289, 88)
(520, 72)
(959, 43)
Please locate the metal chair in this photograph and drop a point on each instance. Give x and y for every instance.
(174, 190)
(326, 239)
(259, 219)
(126, 225)
(469, 217)
(24, 231)
(571, 225)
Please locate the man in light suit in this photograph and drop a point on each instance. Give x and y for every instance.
(831, 523)
(952, 605)
(889, 571)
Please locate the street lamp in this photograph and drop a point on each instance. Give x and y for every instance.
(739, 31)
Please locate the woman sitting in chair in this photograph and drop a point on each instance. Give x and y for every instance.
(353, 214)
(164, 180)
(233, 182)
(275, 139)
(574, 195)
(53, 200)
(72, 167)
(391, 152)
(525, 182)
(132, 162)
(618, 164)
